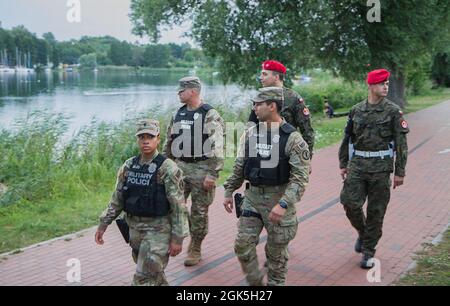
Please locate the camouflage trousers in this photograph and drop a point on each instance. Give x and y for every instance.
(194, 175)
(150, 240)
(261, 201)
(375, 187)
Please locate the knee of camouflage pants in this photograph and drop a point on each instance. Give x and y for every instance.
(277, 252)
(374, 223)
(135, 243)
(150, 271)
(198, 221)
(353, 197)
(247, 238)
(150, 252)
(198, 218)
(353, 194)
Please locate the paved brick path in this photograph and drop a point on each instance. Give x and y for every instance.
(321, 254)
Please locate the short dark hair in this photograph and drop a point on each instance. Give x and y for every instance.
(281, 76)
(278, 103)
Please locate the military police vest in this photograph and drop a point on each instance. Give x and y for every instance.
(185, 121)
(144, 197)
(260, 148)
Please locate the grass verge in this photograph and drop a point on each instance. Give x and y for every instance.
(433, 266)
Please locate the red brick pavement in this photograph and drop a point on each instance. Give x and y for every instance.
(321, 254)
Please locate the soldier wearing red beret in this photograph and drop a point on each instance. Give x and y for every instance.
(294, 110)
(375, 130)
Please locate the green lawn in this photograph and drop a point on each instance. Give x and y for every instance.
(417, 103)
(33, 220)
(27, 223)
(433, 266)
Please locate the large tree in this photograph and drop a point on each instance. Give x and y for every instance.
(157, 56)
(240, 33)
(137, 57)
(7, 44)
(69, 52)
(120, 53)
(302, 33)
(88, 60)
(54, 56)
(406, 32)
(26, 43)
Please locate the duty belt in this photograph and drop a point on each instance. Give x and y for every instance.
(249, 213)
(142, 219)
(267, 189)
(369, 154)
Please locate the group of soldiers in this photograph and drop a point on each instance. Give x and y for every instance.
(274, 157)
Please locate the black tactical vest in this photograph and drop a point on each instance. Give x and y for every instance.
(143, 196)
(186, 120)
(265, 146)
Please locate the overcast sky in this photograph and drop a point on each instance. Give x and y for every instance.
(98, 18)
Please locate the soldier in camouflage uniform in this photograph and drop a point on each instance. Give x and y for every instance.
(294, 109)
(275, 159)
(195, 141)
(154, 205)
(375, 129)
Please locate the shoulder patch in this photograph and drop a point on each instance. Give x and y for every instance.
(301, 100)
(306, 111)
(306, 155)
(300, 148)
(404, 124)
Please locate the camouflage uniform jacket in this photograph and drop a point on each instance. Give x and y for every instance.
(299, 160)
(297, 114)
(372, 128)
(172, 177)
(215, 128)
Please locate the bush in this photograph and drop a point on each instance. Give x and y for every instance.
(37, 165)
(27, 156)
(88, 60)
(340, 94)
(418, 76)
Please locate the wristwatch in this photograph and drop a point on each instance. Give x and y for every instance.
(283, 204)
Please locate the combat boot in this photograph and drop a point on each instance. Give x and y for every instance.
(358, 245)
(259, 282)
(194, 252)
(367, 262)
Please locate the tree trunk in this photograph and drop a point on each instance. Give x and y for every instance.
(397, 89)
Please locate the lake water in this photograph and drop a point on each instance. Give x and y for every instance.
(107, 96)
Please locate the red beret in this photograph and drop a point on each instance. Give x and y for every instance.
(377, 76)
(274, 66)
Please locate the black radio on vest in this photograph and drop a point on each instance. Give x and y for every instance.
(187, 120)
(144, 197)
(265, 147)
